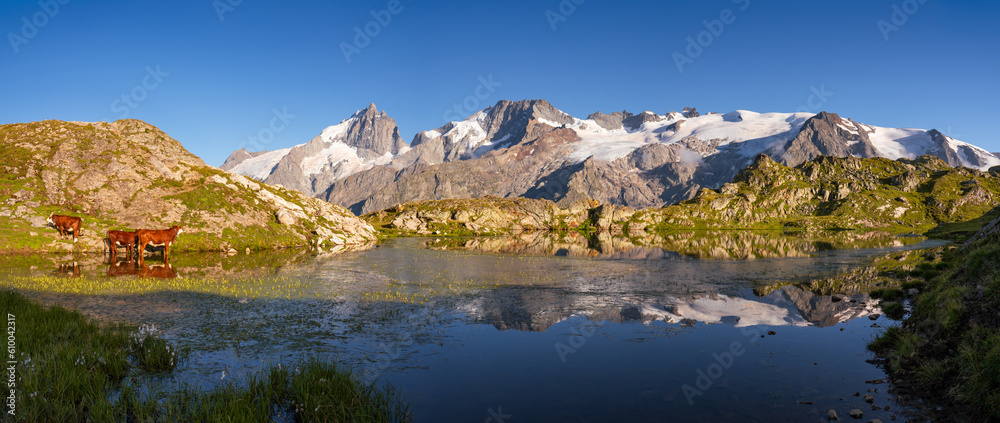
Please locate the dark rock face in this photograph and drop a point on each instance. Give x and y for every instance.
(610, 122)
(634, 122)
(374, 131)
(690, 112)
(824, 135)
(504, 124)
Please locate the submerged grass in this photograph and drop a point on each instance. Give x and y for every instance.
(71, 368)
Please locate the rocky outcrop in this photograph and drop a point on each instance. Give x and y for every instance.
(128, 174)
(611, 121)
(826, 134)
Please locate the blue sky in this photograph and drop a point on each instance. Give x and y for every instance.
(213, 83)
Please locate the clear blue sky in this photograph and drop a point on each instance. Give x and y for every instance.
(224, 77)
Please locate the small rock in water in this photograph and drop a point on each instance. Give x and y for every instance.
(841, 329)
(831, 415)
(875, 421)
(857, 394)
(855, 413)
(771, 332)
(874, 316)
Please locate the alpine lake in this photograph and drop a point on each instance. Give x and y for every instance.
(713, 326)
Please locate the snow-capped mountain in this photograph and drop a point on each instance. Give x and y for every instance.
(366, 139)
(530, 148)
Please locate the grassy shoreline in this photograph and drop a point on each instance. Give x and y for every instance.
(948, 348)
(71, 368)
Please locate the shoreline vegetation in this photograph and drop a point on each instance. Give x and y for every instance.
(71, 368)
(948, 348)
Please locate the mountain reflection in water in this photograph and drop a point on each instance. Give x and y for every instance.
(709, 244)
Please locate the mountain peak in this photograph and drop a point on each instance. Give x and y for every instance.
(373, 130)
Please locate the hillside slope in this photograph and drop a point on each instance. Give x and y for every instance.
(128, 174)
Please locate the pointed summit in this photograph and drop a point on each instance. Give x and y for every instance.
(375, 131)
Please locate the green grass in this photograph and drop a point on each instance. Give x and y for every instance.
(71, 368)
(949, 347)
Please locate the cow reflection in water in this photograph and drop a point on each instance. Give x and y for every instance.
(162, 271)
(70, 270)
(140, 269)
(122, 268)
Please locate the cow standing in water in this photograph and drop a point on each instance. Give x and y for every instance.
(121, 238)
(161, 237)
(65, 224)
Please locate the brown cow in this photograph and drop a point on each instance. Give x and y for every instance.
(65, 224)
(157, 237)
(121, 238)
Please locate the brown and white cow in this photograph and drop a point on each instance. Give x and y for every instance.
(65, 224)
(117, 239)
(157, 238)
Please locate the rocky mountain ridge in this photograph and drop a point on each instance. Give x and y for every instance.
(128, 174)
(531, 149)
(824, 193)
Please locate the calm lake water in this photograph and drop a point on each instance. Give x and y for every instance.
(527, 329)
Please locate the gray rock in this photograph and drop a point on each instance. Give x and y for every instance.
(612, 121)
(832, 415)
(285, 217)
(856, 413)
(869, 398)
